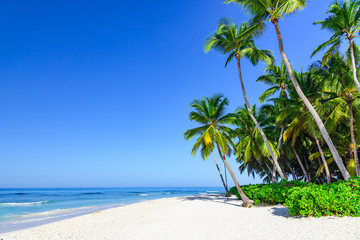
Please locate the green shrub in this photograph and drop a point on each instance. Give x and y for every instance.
(337, 199)
(268, 194)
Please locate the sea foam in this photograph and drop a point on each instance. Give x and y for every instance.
(13, 204)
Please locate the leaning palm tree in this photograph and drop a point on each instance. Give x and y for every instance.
(239, 43)
(344, 23)
(341, 106)
(210, 113)
(296, 116)
(272, 11)
(270, 112)
(340, 97)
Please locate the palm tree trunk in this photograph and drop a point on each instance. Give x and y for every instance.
(356, 159)
(328, 177)
(272, 171)
(324, 178)
(278, 148)
(280, 138)
(273, 174)
(354, 67)
(283, 167)
(263, 168)
(306, 164)
(291, 170)
(222, 179)
(301, 165)
(257, 124)
(247, 202)
(307, 169)
(268, 167)
(308, 105)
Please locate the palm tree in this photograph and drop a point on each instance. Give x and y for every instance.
(270, 112)
(324, 162)
(344, 23)
(251, 147)
(272, 11)
(210, 113)
(239, 43)
(277, 78)
(298, 118)
(340, 97)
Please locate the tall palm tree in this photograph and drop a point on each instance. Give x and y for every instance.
(294, 108)
(272, 11)
(301, 123)
(210, 113)
(278, 78)
(344, 23)
(341, 104)
(270, 112)
(340, 97)
(239, 43)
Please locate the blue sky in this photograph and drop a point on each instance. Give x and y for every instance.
(96, 93)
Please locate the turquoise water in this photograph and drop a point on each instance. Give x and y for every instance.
(22, 208)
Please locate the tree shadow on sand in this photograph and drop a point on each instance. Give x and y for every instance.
(277, 210)
(281, 212)
(218, 198)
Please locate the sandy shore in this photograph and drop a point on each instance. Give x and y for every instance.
(204, 217)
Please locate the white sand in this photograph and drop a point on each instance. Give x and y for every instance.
(204, 217)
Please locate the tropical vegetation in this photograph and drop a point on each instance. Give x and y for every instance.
(306, 127)
(309, 199)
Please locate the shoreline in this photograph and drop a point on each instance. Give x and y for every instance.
(46, 217)
(206, 217)
(41, 206)
(34, 219)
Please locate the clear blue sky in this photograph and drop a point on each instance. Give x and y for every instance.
(96, 93)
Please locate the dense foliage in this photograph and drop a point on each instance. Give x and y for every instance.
(269, 194)
(341, 198)
(307, 128)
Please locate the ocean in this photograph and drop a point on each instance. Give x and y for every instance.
(22, 208)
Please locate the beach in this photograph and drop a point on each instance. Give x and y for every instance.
(198, 217)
